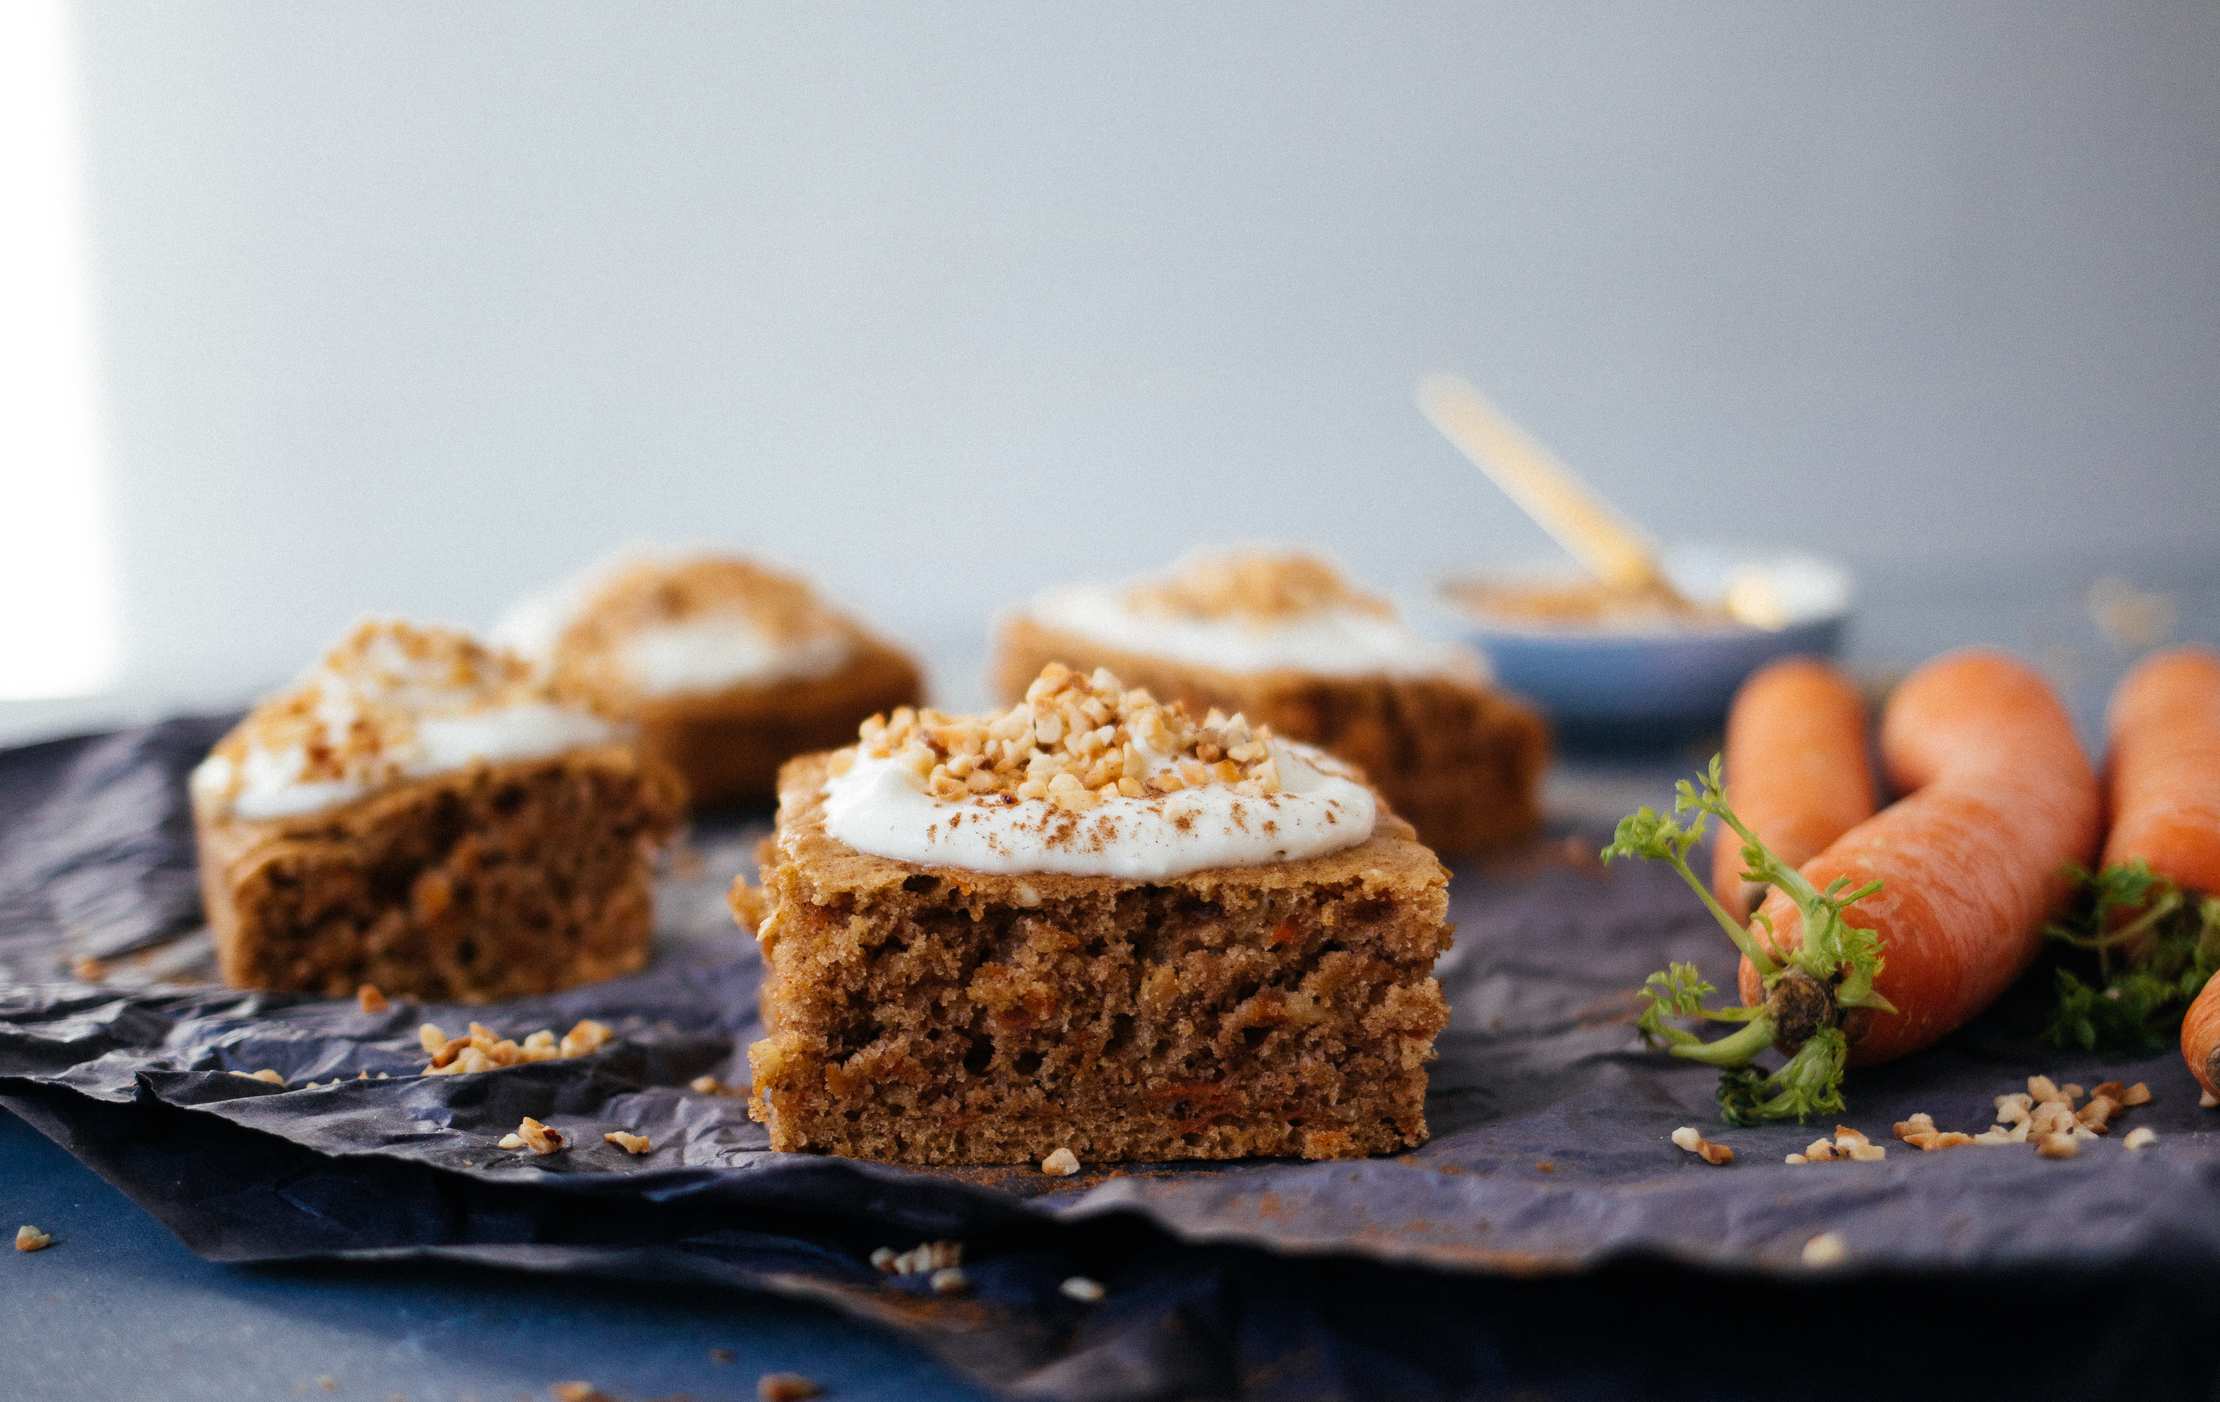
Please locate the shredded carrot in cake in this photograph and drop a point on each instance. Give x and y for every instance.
(1253, 584)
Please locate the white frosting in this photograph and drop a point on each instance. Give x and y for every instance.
(880, 806)
(449, 726)
(1339, 642)
(720, 650)
(709, 652)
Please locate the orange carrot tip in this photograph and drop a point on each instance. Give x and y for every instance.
(2148, 948)
(1809, 989)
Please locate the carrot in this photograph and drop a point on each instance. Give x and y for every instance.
(2163, 773)
(2150, 912)
(1796, 771)
(2200, 1038)
(1953, 882)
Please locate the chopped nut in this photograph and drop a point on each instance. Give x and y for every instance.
(531, 1134)
(1796, 1158)
(2096, 1116)
(1820, 1151)
(578, 1392)
(2042, 1088)
(2137, 1094)
(1689, 1138)
(2057, 1146)
(2069, 1092)
(1869, 1153)
(30, 1238)
(882, 1260)
(481, 1049)
(265, 1075)
(627, 1141)
(88, 968)
(1061, 1163)
(2206, 1100)
(924, 1258)
(785, 1387)
(1080, 1288)
(2140, 1137)
(722, 1355)
(706, 1085)
(370, 999)
(949, 1281)
(1826, 1249)
(1921, 1123)
(1847, 1138)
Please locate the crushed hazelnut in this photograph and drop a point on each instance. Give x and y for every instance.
(1061, 1163)
(2137, 1094)
(949, 1281)
(578, 1392)
(30, 1238)
(2141, 1137)
(482, 1049)
(2057, 1146)
(1826, 1249)
(265, 1075)
(710, 1085)
(785, 1387)
(627, 1141)
(1251, 584)
(1074, 741)
(1690, 1138)
(1082, 1289)
(531, 1134)
(921, 1259)
(370, 998)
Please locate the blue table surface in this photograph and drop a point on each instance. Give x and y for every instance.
(117, 1308)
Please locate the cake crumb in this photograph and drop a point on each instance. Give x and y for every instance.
(785, 1387)
(1080, 1288)
(370, 998)
(1826, 1249)
(1061, 1163)
(626, 1140)
(30, 1238)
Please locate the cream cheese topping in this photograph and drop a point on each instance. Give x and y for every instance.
(392, 702)
(1337, 642)
(880, 805)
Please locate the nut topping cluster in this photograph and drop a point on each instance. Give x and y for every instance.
(355, 716)
(1252, 584)
(1074, 740)
(781, 607)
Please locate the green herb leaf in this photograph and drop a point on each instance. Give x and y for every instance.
(2138, 953)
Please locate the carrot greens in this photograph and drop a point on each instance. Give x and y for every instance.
(1808, 988)
(2148, 948)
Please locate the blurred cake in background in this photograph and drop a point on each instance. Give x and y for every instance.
(429, 815)
(1281, 637)
(727, 667)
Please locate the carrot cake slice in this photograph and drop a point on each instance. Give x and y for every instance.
(1284, 639)
(1091, 922)
(427, 814)
(727, 668)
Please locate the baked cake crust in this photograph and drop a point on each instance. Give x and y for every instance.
(1462, 762)
(491, 881)
(728, 745)
(936, 1014)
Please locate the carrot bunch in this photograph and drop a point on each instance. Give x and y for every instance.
(1903, 923)
(2151, 912)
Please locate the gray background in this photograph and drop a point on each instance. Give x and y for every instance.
(410, 306)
